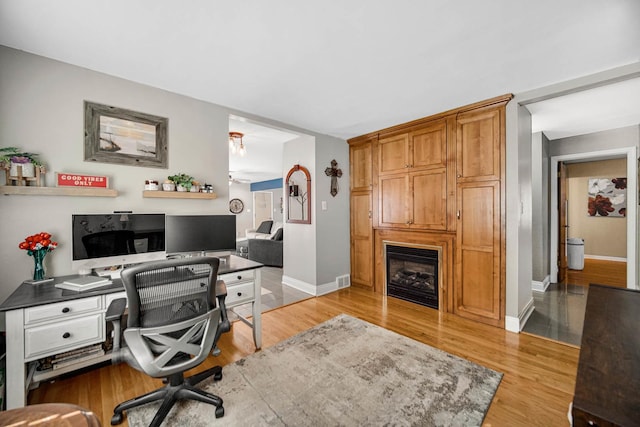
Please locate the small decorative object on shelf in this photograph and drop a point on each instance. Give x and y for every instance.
(195, 187)
(182, 180)
(70, 179)
(168, 185)
(38, 246)
(151, 185)
(207, 188)
(21, 168)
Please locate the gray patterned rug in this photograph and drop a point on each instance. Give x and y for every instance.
(342, 372)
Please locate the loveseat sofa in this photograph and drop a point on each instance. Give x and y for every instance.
(267, 251)
(266, 230)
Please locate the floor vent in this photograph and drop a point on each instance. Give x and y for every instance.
(343, 281)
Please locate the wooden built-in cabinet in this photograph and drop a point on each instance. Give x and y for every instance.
(479, 281)
(437, 179)
(412, 178)
(361, 214)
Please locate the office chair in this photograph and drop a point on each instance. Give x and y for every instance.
(173, 324)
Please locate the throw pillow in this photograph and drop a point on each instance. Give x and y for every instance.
(265, 227)
(277, 235)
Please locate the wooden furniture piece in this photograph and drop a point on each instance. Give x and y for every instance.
(440, 178)
(480, 164)
(361, 214)
(608, 376)
(42, 320)
(58, 414)
(20, 180)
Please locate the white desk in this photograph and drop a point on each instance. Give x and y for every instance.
(43, 320)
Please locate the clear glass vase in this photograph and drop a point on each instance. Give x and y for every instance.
(38, 259)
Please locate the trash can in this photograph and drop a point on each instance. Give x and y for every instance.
(575, 253)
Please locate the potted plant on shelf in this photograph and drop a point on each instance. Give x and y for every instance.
(182, 181)
(12, 157)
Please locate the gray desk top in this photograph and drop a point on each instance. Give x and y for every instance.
(28, 295)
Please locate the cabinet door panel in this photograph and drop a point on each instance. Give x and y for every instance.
(361, 240)
(393, 199)
(361, 215)
(479, 137)
(393, 154)
(429, 190)
(429, 146)
(360, 163)
(362, 262)
(478, 288)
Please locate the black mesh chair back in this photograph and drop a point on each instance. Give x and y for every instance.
(171, 327)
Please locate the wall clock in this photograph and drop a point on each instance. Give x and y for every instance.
(236, 206)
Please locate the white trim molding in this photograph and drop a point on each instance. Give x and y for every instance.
(309, 288)
(606, 258)
(540, 286)
(516, 324)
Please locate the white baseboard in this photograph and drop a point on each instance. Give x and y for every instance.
(516, 324)
(299, 285)
(606, 258)
(512, 324)
(540, 286)
(323, 289)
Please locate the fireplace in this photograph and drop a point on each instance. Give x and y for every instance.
(412, 272)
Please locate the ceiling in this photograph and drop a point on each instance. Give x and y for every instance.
(340, 68)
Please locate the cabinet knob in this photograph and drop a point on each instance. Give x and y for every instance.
(406, 165)
(239, 294)
(66, 335)
(239, 277)
(66, 310)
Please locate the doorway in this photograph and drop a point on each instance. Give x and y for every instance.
(262, 207)
(627, 153)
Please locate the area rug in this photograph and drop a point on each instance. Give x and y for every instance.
(345, 372)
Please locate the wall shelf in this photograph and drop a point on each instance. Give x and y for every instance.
(177, 195)
(57, 191)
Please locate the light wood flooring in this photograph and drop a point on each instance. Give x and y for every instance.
(539, 375)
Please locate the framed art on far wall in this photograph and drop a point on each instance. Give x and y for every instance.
(125, 137)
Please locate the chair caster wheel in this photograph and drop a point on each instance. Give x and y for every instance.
(116, 419)
(218, 376)
(219, 412)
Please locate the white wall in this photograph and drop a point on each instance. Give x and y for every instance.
(300, 244)
(244, 219)
(331, 232)
(540, 206)
(41, 110)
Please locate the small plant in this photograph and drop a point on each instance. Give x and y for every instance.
(10, 155)
(182, 179)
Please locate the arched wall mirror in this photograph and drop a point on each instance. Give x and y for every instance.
(298, 188)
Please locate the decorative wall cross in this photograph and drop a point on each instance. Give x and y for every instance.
(334, 173)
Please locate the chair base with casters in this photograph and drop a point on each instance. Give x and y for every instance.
(176, 389)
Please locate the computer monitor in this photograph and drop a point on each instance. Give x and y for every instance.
(105, 240)
(200, 233)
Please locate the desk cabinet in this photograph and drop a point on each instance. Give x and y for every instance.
(43, 321)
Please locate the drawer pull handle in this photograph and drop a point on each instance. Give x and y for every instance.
(239, 294)
(66, 310)
(66, 335)
(239, 277)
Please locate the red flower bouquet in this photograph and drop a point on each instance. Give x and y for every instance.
(38, 246)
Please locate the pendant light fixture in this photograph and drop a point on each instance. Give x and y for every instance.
(236, 146)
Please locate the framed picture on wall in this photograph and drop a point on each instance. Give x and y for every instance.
(607, 197)
(126, 137)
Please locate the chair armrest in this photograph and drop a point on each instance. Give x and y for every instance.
(116, 309)
(114, 315)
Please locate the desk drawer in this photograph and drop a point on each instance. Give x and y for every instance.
(61, 310)
(240, 276)
(237, 294)
(50, 339)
